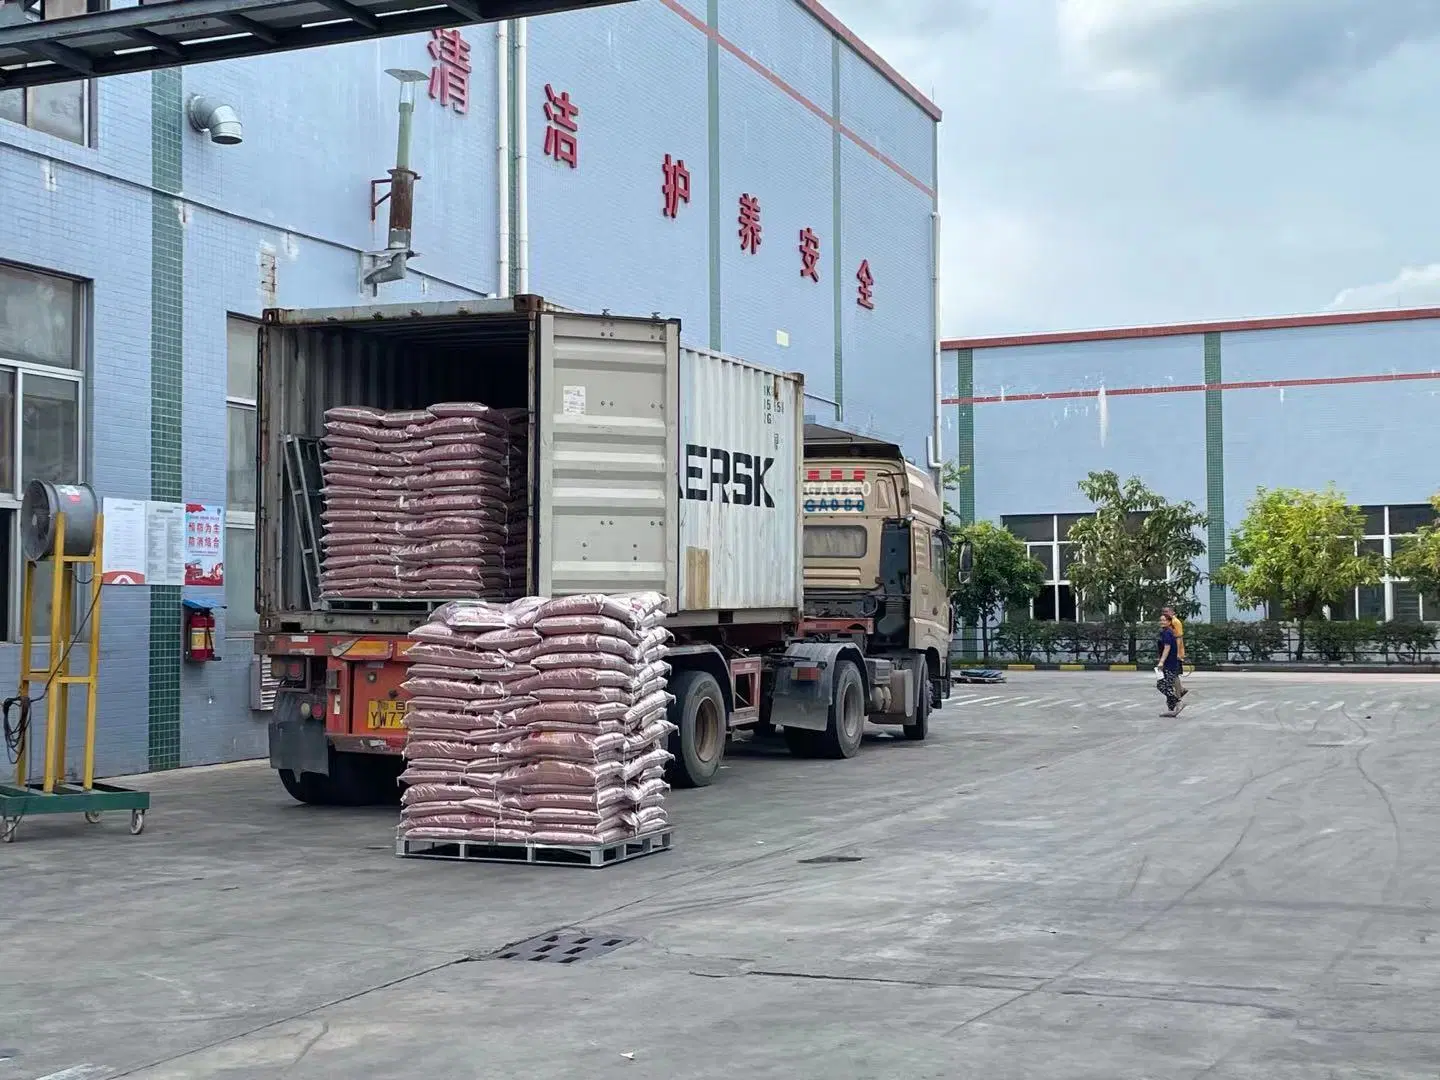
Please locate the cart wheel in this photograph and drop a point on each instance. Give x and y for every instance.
(137, 822)
(92, 816)
(7, 829)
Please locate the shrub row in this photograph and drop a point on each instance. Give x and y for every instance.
(1233, 642)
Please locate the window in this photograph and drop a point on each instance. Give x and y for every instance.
(1387, 530)
(835, 541)
(61, 109)
(42, 392)
(1047, 540)
(242, 353)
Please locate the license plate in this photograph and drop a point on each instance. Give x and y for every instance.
(387, 714)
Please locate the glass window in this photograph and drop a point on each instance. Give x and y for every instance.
(61, 109)
(1372, 547)
(1032, 527)
(1408, 519)
(50, 430)
(240, 470)
(39, 317)
(1066, 522)
(1371, 605)
(1067, 557)
(827, 541)
(1064, 603)
(1407, 602)
(1044, 605)
(242, 351)
(1044, 554)
(1374, 520)
(240, 618)
(7, 429)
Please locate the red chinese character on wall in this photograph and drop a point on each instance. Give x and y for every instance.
(561, 135)
(450, 74)
(676, 188)
(866, 296)
(809, 254)
(750, 228)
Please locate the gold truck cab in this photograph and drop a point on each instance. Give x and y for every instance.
(876, 563)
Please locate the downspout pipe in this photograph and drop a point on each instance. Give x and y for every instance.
(937, 440)
(522, 159)
(502, 155)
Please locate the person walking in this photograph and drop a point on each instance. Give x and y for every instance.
(1168, 667)
(1179, 627)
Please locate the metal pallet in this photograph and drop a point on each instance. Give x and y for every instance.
(592, 856)
(303, 482)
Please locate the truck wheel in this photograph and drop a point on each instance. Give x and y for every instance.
(312, 789)
(699, 745)
(918, 731)
(842, 737)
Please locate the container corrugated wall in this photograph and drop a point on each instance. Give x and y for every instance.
(742, 432)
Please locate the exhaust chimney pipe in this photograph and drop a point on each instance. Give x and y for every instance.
(221, 121)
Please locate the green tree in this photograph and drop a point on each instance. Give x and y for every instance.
(1300, 549)
(1001, 574)
(1419, 560)
(1137, 552)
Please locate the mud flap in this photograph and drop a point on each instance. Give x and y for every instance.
(297, 743)
(805, 703)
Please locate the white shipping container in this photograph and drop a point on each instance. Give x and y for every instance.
(742, 432)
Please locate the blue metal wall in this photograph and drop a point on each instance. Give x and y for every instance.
(283, 219)
(1353, 405)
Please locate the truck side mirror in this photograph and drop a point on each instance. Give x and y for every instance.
(966, 562)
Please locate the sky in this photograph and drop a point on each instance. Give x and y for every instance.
(1130, 162)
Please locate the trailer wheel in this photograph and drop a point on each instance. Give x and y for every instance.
(699, 745)
(918, 731)
(842, 736)
(312, 789)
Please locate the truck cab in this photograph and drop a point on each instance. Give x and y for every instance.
(876, 566)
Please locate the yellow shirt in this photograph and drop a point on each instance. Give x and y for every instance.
(1179, 637)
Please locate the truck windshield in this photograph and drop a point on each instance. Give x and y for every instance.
(835, 541)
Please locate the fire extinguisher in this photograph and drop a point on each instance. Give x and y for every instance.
(199, 633)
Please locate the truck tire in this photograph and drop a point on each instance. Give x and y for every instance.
(920, 729)
(699, 745)
(310, 788)
(843, 735)
(353, 781)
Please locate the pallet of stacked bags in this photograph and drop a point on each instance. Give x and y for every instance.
(537, 731)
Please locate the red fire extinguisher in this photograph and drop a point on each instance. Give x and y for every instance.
(199, 634)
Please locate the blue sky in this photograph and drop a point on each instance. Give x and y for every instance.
(1116, 162)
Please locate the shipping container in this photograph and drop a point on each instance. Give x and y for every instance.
(651, 467)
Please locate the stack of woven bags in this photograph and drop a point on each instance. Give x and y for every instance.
(424, 503)
(539, 721)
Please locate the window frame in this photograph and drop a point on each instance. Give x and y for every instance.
(78, 374)
(1386, 539)
(88, 98)
(238, 519)
(835, 526)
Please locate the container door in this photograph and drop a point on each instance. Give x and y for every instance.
(606, 424)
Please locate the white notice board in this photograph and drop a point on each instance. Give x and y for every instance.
(144, 542)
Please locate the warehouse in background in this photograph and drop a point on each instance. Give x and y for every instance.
(747, 166)
(1207, 412)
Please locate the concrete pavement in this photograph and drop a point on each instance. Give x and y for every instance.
(1057, 884)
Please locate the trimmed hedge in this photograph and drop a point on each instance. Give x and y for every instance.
(1028, 641)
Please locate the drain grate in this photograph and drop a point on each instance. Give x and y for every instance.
(563, 947)
(820, 860)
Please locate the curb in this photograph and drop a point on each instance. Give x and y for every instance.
(1297, 669)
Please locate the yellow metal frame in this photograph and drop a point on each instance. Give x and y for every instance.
(56, 679)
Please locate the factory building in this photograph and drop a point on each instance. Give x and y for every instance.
(748, 166)
(1209, 413)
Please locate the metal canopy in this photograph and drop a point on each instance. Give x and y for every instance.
(180, 32)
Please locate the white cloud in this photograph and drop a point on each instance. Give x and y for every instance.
(1260, 49)
(1414, 286)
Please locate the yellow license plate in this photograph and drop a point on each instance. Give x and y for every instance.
(387, 714)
